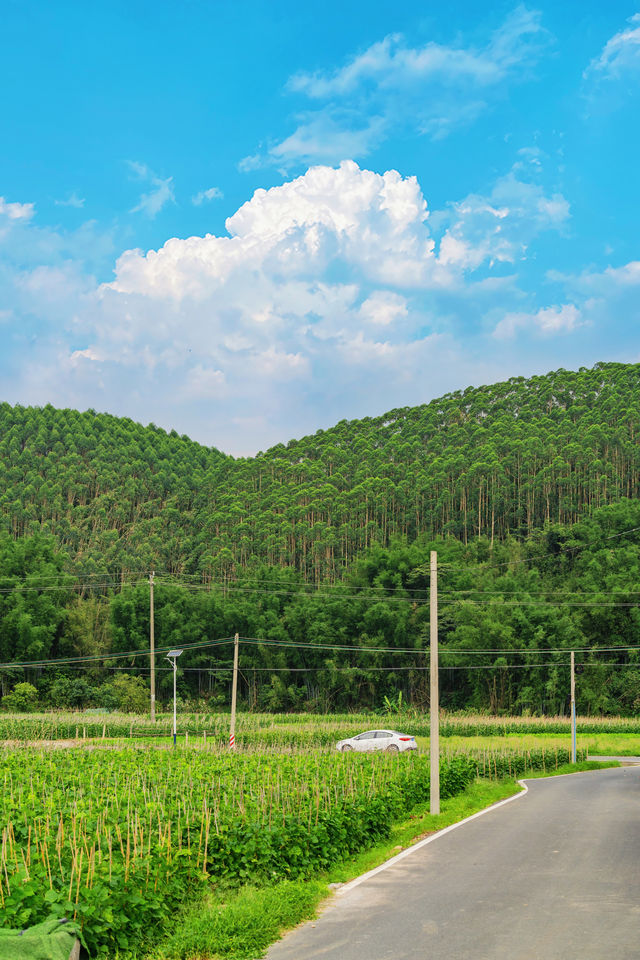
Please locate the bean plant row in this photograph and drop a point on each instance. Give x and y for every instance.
(117, 840)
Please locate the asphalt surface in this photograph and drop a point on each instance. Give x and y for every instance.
(554, 874)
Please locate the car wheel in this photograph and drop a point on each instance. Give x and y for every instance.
(347, 748)
(392, 748)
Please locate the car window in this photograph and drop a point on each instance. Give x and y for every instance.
(369, 735)
(383, 735)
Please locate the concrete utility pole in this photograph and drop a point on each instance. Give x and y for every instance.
(152, 649)
(234, 694)
(434, 707)
(573, 708)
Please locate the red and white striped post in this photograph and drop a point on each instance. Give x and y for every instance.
(234, 694)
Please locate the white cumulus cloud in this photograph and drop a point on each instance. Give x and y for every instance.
(16, 211)
(547, 321)
(621, 53)
(372, 223)
(328, 296)
(213, 193)
(394, 86)
(160, 194)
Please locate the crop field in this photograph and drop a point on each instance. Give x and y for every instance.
(118, 839)
(285, 729)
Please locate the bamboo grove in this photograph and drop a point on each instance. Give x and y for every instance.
(510, 612)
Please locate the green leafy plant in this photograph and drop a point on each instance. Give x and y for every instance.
(23, 697)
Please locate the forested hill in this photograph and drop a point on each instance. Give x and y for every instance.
(491, 461)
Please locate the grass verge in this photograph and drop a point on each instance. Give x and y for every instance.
(242, 924)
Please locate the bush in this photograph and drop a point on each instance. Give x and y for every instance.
(71, 692)
(22, 699)
(131, 693)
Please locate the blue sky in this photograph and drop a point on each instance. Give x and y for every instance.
(247, 221)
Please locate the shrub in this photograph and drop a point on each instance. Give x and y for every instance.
(22, 699)
(131, 693)
(71, 692)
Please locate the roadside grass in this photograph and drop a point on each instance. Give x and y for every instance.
(242, 924)
(607, 744)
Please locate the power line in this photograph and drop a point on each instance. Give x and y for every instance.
(401, 668)
(346, 668)
(310, 645)
(446, 598)
(443, 649)
(141, 575)
(62, 586)
(547, 603)
(97, 658)
(335, 592)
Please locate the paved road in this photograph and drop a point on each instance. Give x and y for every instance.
(554, 875)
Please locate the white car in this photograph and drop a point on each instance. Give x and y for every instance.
(389, 740)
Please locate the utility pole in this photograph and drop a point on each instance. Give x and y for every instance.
(152, 649)
(434, 708)
(234, 694)
(573, 708)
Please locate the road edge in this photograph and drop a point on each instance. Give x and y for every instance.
(346, 887)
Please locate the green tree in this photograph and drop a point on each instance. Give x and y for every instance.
(22, 699)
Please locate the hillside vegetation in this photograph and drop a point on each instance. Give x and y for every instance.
(528, 490)
(494, 461)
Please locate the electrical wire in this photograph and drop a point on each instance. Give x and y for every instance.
(98, 658)
(311, 645)
(143, 576)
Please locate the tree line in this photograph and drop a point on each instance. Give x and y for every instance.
(510, 612)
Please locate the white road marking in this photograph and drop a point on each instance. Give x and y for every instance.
(422, 843)
(436, 836)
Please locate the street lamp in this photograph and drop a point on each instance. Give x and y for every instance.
(172, 657)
